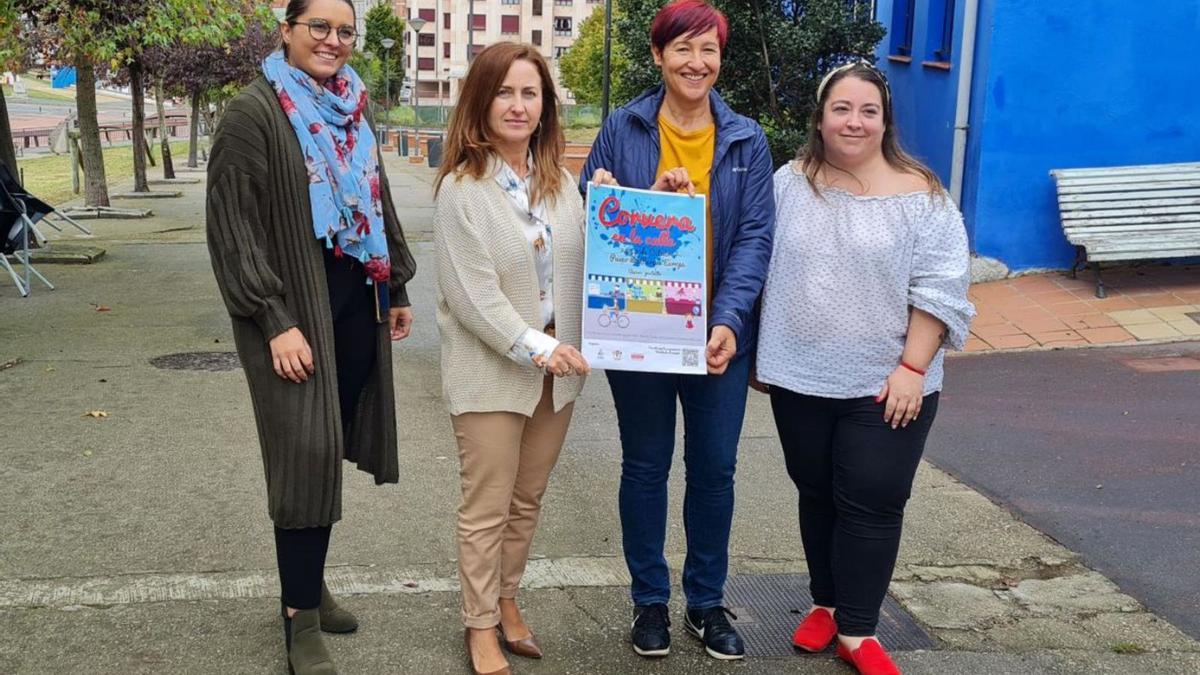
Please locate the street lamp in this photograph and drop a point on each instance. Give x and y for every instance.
(417, 24)
(607, 67)
(387, 44)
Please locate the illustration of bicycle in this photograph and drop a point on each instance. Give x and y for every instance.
(606, 318)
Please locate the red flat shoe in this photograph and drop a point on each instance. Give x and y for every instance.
(816, 631)
(868, 659)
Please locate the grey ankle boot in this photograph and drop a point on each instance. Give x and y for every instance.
(306, 653)
(334, 619)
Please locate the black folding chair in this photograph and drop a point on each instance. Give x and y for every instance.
(18, 220)
(20, 212)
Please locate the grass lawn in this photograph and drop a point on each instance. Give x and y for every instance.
(41, 93)
(583, 135)
(50, 177)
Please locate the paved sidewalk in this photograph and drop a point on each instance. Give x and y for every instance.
(138, 542)
(1145, 303)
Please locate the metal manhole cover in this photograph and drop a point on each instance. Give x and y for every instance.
(769, 606)
(210, 361)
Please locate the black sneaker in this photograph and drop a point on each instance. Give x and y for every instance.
(649, 631)
(720, 639)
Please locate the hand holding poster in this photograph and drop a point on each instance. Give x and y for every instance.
(645, 285)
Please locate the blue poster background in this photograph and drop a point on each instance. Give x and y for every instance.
(645, 285)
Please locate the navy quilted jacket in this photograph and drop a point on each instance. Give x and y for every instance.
(741, 198)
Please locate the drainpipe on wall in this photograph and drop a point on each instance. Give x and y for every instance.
(962, 108)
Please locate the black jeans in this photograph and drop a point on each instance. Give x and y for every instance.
(301, 552)
(854, 474)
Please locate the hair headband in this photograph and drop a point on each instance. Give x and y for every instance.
(887, 92)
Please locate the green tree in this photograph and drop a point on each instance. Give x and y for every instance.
(115, 34)
(82, 33)
(382, 22)
(158, 24)
(778, 50)
(582, 66)
(208, 74)
(11, 51)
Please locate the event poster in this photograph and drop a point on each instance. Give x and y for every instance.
(645, 285)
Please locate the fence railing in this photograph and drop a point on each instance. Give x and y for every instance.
(572, 116)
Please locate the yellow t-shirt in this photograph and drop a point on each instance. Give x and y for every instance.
(693, 150)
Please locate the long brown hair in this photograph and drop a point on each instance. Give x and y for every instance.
(812, 155)
(469, 142)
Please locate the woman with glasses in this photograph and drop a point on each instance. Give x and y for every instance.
(312, 265)
(867, 287)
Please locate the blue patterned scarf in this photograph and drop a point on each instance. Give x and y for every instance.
(339, 153)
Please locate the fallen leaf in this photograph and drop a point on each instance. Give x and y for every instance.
(410, 584)
(9, 364)
(50, 369)
(95, 414)
(100, 308)
(87, 453)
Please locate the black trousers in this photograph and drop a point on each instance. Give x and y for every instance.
(301, 552)
(854, 474)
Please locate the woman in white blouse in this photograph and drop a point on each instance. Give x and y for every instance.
(867, 286)
(508, 228)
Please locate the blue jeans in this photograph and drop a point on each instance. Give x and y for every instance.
(713, 408)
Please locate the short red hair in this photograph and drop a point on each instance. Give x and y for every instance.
(688, 18)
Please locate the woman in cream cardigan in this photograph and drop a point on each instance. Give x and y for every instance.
(509, 235)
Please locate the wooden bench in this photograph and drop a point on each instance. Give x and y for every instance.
(1130, 213)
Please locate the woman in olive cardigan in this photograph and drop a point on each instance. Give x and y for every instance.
(310, 305)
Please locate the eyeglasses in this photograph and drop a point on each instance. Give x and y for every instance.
(319, 30)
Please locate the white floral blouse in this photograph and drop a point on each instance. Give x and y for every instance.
(534, 347)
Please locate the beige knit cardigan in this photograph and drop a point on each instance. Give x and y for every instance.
(488, 294)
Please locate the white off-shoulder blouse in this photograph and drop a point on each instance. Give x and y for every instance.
(844, 272)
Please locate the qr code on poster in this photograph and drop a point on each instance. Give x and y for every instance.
(691, 358)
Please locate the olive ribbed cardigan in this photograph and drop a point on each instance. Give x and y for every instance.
(270, 269)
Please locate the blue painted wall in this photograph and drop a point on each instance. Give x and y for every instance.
(1057, 84)
(923, 97)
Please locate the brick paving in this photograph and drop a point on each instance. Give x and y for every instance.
(1053, 310)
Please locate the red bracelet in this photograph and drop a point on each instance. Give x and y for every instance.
(912, 368)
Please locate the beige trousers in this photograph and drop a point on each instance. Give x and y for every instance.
(505, 462)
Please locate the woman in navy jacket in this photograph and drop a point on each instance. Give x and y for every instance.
(681, 136)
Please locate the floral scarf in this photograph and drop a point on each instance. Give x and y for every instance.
(537, 230)
(339, 153)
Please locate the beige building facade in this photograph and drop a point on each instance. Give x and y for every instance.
(436, 59)
(438, 62)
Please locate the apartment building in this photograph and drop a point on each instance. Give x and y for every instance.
(438, 63)
(436, 58)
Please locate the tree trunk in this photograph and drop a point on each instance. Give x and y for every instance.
(140, 149)
(194, 132)
(95, 186)
(772, 100)
(8, 157)
(168, 167)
